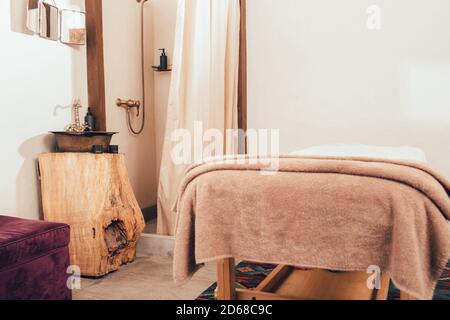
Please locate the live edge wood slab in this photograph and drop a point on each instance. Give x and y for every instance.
(92, 194)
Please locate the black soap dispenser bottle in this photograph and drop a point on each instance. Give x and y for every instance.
(90, 121)
(163, 64)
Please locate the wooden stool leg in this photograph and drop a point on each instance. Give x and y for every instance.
(226, 280)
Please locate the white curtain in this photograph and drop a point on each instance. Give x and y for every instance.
(204, 85)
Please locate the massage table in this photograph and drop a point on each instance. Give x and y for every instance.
(411, 208)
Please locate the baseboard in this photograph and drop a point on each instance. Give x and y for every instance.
(150, 213)
(156, 245)
(152, 244)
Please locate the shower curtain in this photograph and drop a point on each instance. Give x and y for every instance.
(204, 87)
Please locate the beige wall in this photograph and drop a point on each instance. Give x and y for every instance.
(163, 16)
(123, 72)
(121, 31)
(320, 75)
(38, 78)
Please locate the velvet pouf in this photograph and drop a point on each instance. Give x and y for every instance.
(34, 258)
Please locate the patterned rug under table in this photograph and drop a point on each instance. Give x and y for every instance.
(249, 275)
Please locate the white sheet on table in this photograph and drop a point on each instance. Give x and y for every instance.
(360, 150)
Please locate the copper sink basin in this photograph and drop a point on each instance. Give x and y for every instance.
(82, 142)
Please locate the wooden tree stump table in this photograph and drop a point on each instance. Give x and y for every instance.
(92, 194)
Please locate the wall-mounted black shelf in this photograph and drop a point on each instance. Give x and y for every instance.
(158, 69)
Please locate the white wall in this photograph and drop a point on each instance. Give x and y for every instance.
(320, 75)
(37, 76)
(122, 53)
(40, 78)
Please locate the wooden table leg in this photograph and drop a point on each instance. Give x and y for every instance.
(383, 292)
(405, 297)
(226, 279)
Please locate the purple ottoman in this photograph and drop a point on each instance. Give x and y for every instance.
(34, 258)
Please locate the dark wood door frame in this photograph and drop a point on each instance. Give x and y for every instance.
(242, 86)
(95, 62)
(96, 66)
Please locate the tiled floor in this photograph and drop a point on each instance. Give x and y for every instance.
(149, 278)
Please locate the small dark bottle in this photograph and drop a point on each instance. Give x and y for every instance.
(114, 149)
(97, 149)
(163, 63)
(90, 120)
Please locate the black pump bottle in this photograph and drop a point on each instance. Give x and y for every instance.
(163, 65)
(90, 120)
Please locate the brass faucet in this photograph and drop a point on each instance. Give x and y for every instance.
(129, 104)
(76, 126)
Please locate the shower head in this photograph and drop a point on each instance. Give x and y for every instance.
(139, 1)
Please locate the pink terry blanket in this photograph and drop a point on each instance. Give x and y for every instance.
(341, 214)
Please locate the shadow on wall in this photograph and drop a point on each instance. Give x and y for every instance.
(19, 16)
(28, 195)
